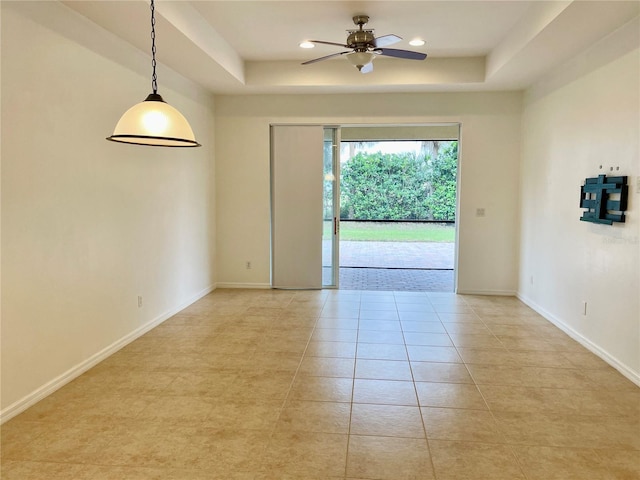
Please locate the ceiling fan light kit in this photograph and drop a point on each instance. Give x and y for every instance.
(360, 59)
(365, 47)
(154, 122)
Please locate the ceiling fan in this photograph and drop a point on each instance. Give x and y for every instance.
(365, 47)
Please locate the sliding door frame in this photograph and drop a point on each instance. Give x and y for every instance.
(458, 123)
(335, 237)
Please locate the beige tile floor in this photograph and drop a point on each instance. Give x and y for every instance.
(265, 385)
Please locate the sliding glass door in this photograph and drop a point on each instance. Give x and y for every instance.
(296, 206)
(331, 208)
(415, 206)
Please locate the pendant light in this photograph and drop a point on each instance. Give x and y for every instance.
(154, 122)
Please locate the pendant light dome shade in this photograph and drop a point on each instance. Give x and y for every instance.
(154, 122)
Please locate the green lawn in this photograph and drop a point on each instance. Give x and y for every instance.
(394, 232)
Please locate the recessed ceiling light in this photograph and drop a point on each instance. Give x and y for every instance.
(307, 45)
(416, 42)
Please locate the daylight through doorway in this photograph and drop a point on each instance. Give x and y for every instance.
(397, 214)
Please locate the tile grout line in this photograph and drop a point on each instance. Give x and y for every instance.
(415, 389)
(353, 387)
(295, 376)
(509, 445)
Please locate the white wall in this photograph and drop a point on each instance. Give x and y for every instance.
(418, 132)
(585, 115)
(489, 174)
(88, 225)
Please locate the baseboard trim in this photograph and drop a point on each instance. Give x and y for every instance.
(243, 285)
(48, 388)
(502, 293)
(585, 342)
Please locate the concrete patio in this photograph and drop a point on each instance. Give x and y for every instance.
(399, 266)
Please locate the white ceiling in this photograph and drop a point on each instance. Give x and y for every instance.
(252, 46)
(262, 31)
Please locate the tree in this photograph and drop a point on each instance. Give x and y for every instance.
(377, 186)
(401, 186)
(442, 178)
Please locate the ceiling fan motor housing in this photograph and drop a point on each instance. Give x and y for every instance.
(360, 39)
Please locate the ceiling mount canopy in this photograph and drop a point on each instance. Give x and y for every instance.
(154, 122)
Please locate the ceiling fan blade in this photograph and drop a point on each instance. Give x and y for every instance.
(329, 43)
(386, 40)
(324, 58)
(406, 54)
(367, 68)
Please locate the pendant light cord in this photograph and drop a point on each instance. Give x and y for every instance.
(154, 77)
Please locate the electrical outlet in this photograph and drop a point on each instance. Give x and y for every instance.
(480, 212)
(248, 265)
(139, 301)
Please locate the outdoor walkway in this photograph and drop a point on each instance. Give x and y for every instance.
(430, 255)
(399, 266)
(396, 280)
